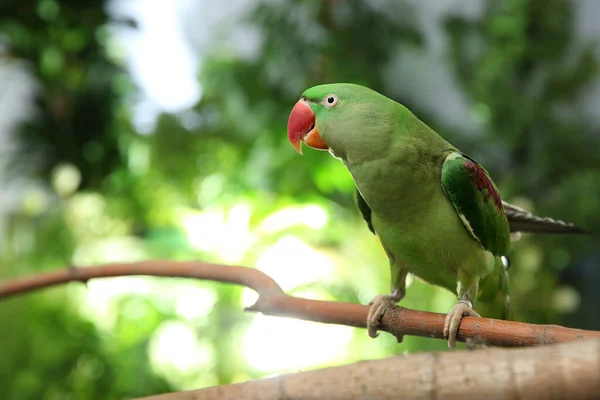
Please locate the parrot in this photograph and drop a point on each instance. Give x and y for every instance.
(435, 210)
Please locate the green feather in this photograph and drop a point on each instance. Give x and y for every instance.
(477, 202)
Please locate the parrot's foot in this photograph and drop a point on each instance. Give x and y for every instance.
(455, 315)
(378, 307)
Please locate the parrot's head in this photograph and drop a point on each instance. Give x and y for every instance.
(349, 120)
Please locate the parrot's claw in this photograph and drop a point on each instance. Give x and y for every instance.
(455, 315)
(379, 305)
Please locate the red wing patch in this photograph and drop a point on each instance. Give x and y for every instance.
(483, 182)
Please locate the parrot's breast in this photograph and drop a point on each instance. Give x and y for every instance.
(434, 246)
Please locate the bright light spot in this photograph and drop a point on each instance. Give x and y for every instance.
(194, 302)
(240, 238)
(410, 278)
(144, 116)
(138, 158)
(160, 57)
(205, 230)
(98, 301)
(66, 179)
(481, 113)
(531, 259)
(275, 343)
(229, 237)
(35, 201)
(115, 249)
(249, 297)
(566, 299)
(88, 204)
(313, 216)
(291, 262)
(515, 236)
(86, 209)
(86, 216)
(209, 189)
(174, 348)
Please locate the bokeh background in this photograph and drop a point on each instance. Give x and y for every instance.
(134, 130)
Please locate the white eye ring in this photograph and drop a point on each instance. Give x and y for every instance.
(330, 100)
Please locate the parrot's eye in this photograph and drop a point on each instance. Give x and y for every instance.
(330, 100)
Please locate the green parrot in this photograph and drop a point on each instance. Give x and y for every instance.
(435, 210)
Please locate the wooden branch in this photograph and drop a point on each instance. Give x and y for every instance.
(564, 371)
(272, 301)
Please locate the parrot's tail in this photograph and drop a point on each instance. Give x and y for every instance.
(521, 220)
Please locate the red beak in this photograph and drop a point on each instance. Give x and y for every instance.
(302, 128)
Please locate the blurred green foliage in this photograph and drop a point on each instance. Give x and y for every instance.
(212, 189)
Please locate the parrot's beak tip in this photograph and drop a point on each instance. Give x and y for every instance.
(298, 147)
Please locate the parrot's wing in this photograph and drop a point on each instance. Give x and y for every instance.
(521, 220)
(365, 210)
(477, 202)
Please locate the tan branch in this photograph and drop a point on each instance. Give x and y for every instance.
(272, 301)
(564, 371)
